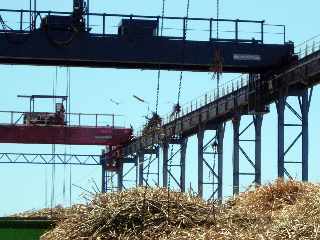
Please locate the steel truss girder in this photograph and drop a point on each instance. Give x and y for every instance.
(302, 115)
(175, 164)
(50, 159)
(254, 161)
(207, 154)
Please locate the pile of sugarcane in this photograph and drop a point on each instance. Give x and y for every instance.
(136, 214)
(153, 125)
(55, 213)
(282, 210)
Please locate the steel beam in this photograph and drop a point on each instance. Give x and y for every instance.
(183, 152)
(200, 136)
(103, 178)
(280, 110)
(220, 137)
(305, 134)
(120, 178)
(141, 168)
(257, 125)
(236, 147)
(165, 149)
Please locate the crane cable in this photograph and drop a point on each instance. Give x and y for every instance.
(180, 82)
(183, 53)
(218, 16)
(159, 71)
(68, 119)
(53, 172)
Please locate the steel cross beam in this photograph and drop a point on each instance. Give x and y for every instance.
(301, 115)
(254, 162)
(174, 164)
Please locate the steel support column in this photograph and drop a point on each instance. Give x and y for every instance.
(120, 178)
(257, 125)
(280, 110)
(103, 178)
(141, 167)
(301, 115)
(236, 147)
(200, 136)
(305, 105)
(183, 153)
(165, 149)
(220, 137)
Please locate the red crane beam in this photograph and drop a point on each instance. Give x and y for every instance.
(73, 135)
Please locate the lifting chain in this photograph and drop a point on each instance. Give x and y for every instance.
(159, 71)
(183, 53)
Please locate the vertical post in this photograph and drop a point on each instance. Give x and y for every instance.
(21, 20)
(158, 166)
(35, 14)
(103, 168)
(210, 37)
(237, 29)
(141, 166)
(184, 29)
(165, 149)
(220, 137)
(88, 14)
(236, 147)
(305, 134)
(103, 178)
(262, 31)
(257, 125)
(280, 110)
(120, 178)
(183, 164)
(137, 170)
(200, 136)
(30, 14)
(104, 24)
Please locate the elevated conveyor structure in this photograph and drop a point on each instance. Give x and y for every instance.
(250, 97)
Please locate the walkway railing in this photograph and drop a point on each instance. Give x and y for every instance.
(174, 27)
(71, 119)
(308, 47)
(205, 99)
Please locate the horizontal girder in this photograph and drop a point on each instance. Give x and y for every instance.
(35, 134)
(88, 50)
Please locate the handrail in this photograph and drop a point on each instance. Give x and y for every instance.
(103, 29)
(207, 98)
(308, 47)
(76, 119)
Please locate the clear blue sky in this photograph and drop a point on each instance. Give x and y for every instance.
(23, 186)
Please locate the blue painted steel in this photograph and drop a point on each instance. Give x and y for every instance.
(135, 45)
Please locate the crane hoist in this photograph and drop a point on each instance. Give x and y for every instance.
(75, 22)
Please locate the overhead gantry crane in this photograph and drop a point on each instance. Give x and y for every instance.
(64, 39)
(52, 127)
